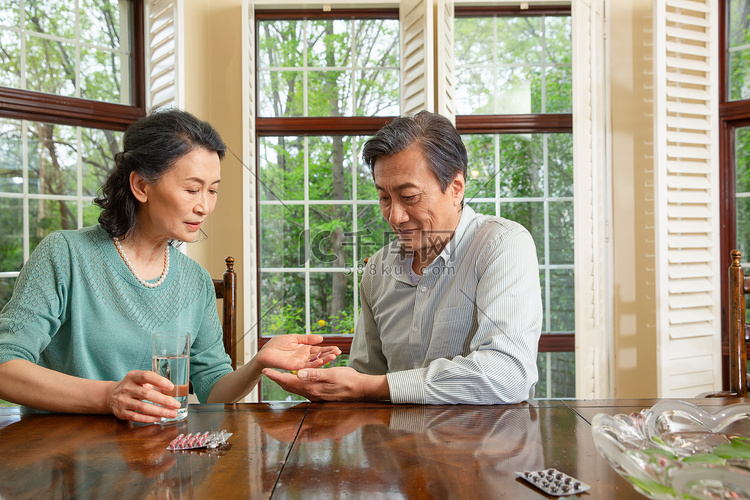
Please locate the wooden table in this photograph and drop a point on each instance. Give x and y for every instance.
(313, 450)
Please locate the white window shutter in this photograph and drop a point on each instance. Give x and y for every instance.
(686, 176)
(591, 202)
(444, 60)
(249, 179)
(164, 55)
(417, 56)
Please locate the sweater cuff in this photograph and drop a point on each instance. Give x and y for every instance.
(407, 386)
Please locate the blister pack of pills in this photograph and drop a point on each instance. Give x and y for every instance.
(553, 482)
(192, 441)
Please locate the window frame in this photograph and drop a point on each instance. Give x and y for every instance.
(75, 111)
(521, 124)
(732, 115)
(308, 126)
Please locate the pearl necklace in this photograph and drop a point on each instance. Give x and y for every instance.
(132, 269)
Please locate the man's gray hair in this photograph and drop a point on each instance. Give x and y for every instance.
(435, 135)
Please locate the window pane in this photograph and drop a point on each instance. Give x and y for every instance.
(561, 232)
(280, 44)
(484, 208)
(531, 216)
(50, 67)
(46, 216)
(10, 56)
(558, 92)
(64, 166)
(100, 75)
(520, 39)
(331, 234)
(475, 40)
(513, 65)
(331, 168)
(282, 236)
(558, 48)
(560, 164)
(346, 68)
(562, 300)
(11, 237)
(482, 173)
(329, 43)
(331, 303)
(11, 156)
(365, 183)
(521, 165)
(100, 22)
(373, 231)
(280, 93)
(99, 148)
(51, 17)
(557, 375)
(376, 43)
(377, 92)
(304, 232)
(281, 168)
(742, 161)
(282, 303)
(53, 159)
(475, 91)
(10, 12)
(330, 93)
(738, 46)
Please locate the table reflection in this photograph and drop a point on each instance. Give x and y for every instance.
(45, 456)
(414, 451)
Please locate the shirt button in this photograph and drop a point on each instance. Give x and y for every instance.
(424, 288)
(414, 329)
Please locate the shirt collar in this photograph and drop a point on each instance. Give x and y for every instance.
(467, 215)
(402, 263)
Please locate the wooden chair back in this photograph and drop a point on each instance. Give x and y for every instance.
(737, 330)
(226, 290)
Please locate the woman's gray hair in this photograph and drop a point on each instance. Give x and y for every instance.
(435, 135)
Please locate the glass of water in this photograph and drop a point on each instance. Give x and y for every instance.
(170, 358)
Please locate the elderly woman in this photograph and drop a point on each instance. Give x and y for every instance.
(76, 335)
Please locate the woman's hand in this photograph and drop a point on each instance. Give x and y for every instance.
(285, 352)
(137, 397)
(295, 352)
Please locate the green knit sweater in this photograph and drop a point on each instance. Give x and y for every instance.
(78, 309)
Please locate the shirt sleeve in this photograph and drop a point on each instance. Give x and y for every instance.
(209, 360)
(501, 364)
(37, 308)
(366, 354)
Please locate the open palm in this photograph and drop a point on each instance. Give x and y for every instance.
(294, 352)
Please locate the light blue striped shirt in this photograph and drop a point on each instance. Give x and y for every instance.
(468, 331)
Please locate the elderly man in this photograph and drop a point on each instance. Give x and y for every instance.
(451, 312)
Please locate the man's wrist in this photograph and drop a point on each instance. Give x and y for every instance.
(375, 387)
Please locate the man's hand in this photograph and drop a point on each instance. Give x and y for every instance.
(295, 352)
(332, 384)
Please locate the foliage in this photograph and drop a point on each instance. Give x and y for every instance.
(738, 45)
(513, 65)
(317, 211)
